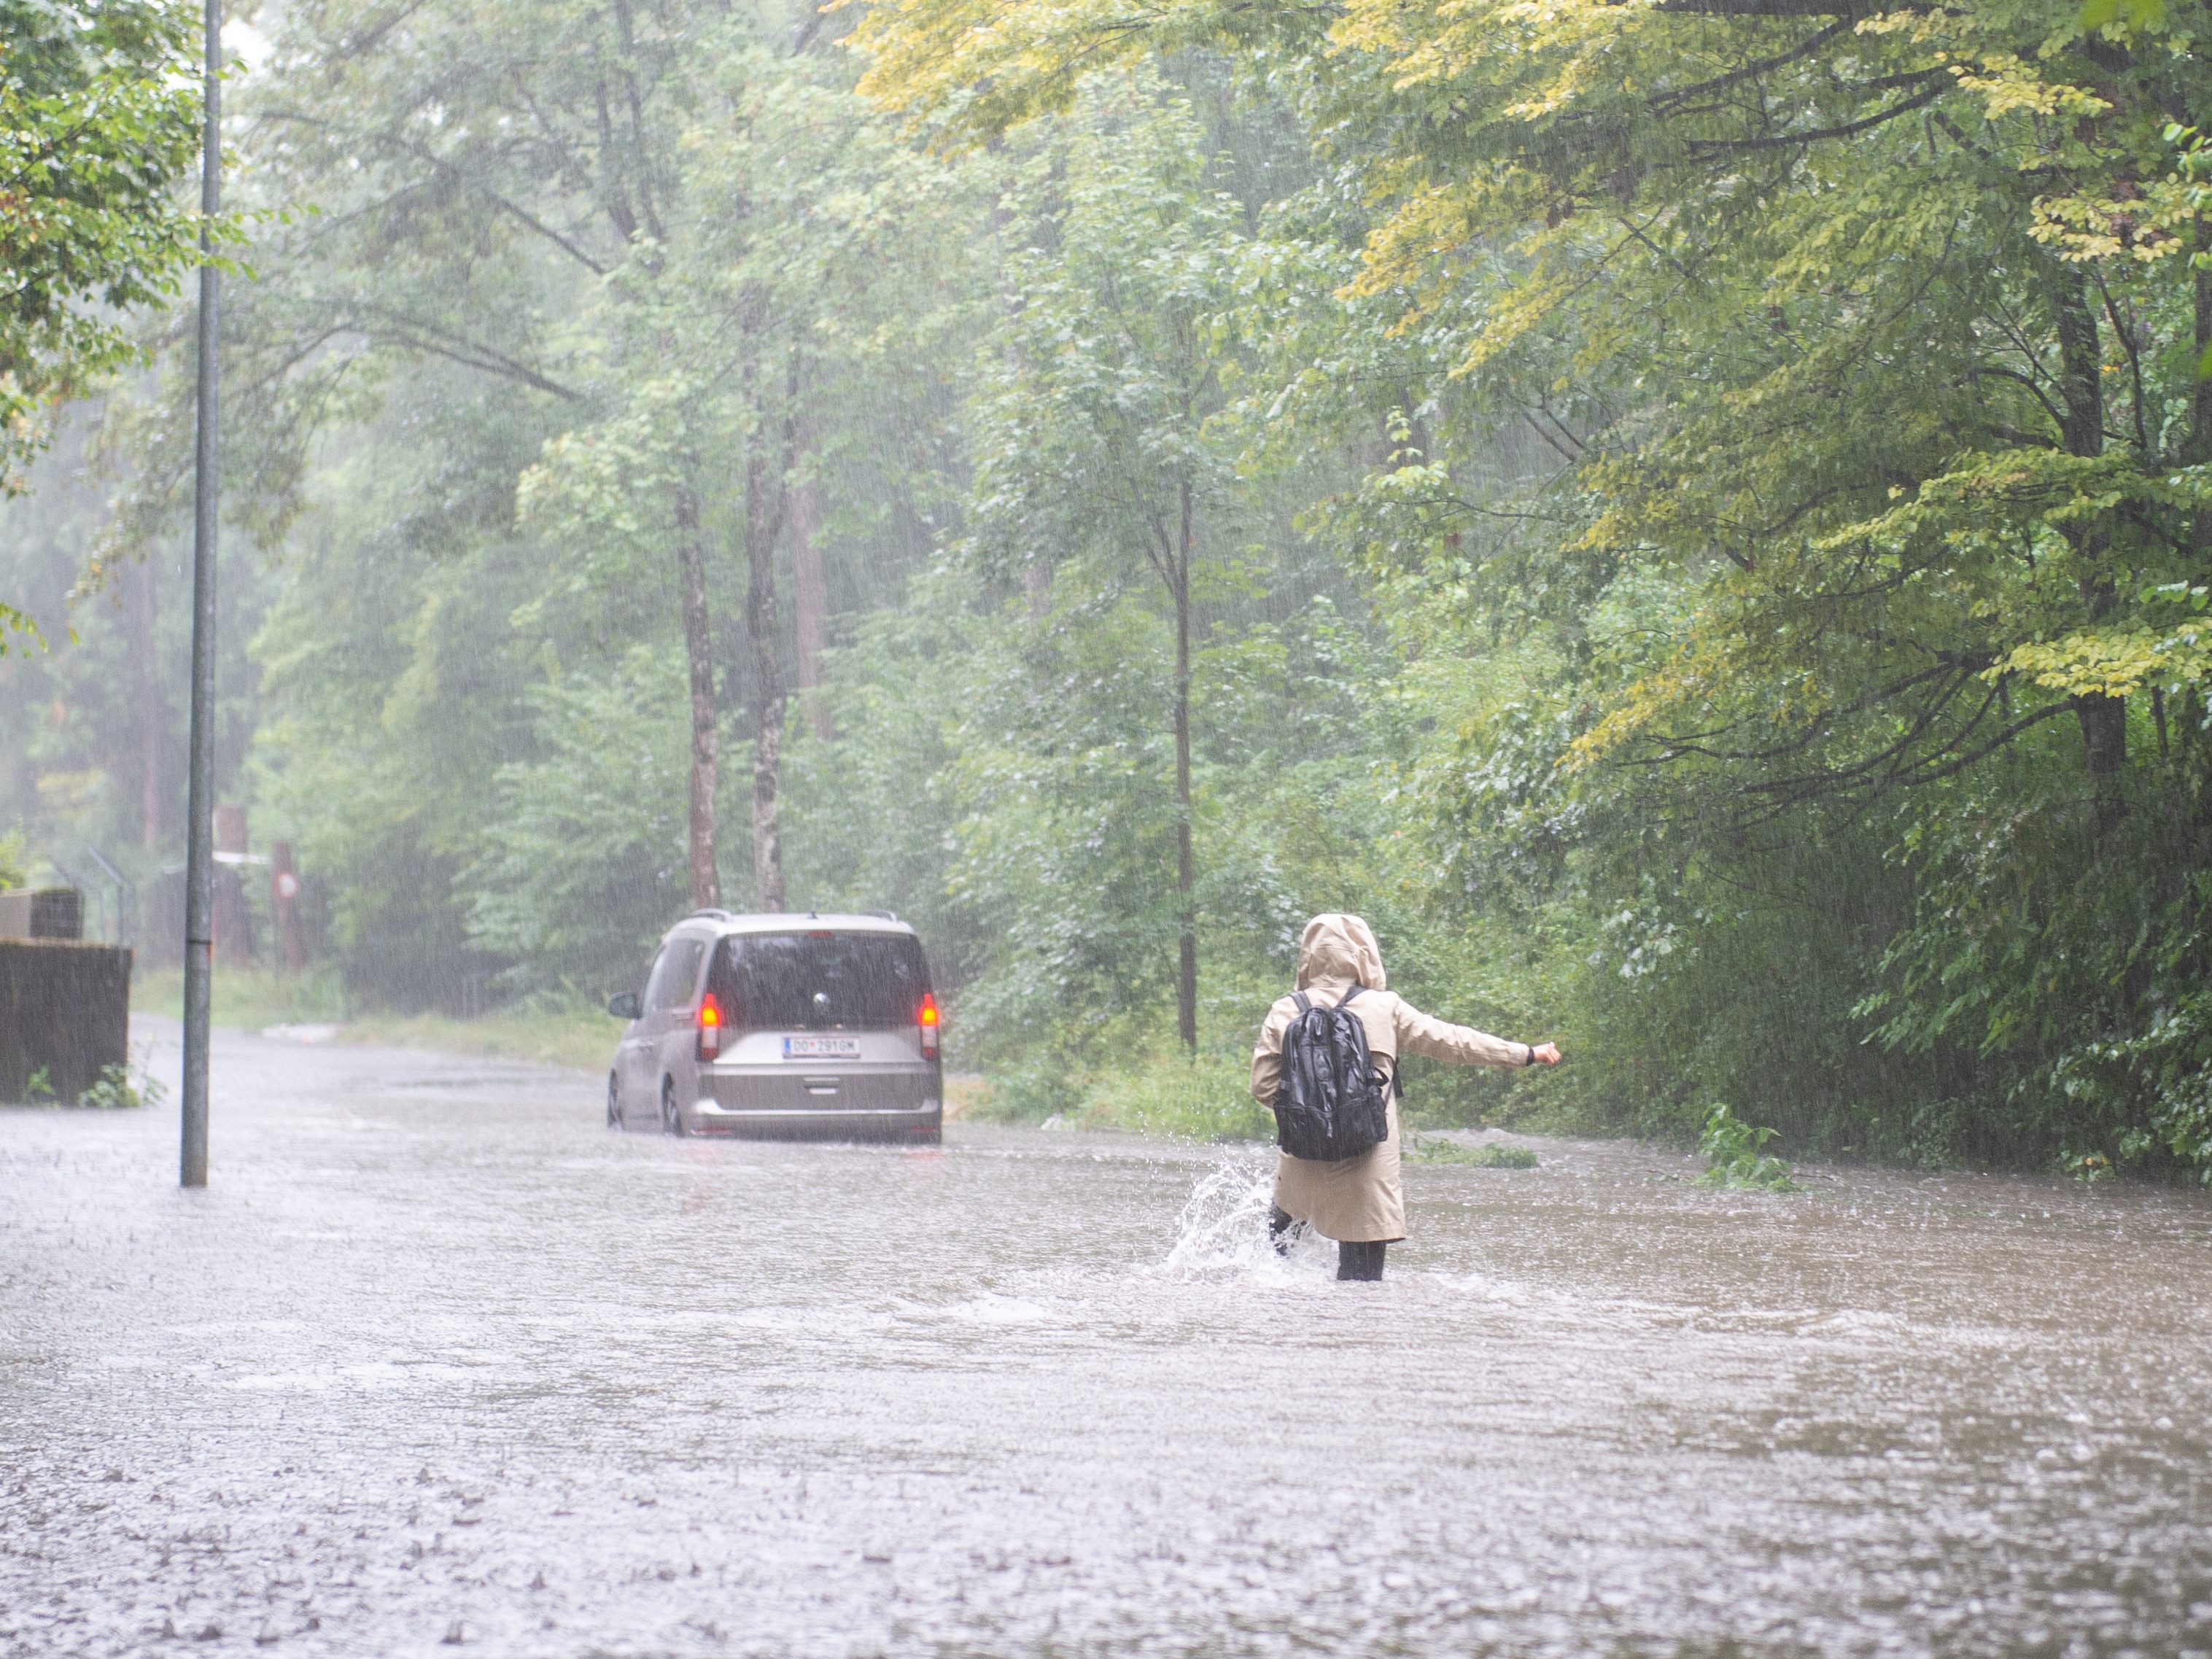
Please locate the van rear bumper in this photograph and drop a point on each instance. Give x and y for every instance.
(823, 1088)
(774, 1123)
(833, 1100)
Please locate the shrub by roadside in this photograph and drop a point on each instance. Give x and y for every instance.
(1736, 1152)
(118, 1087)
(1491, 1155)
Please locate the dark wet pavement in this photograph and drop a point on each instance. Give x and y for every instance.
(438, 1359)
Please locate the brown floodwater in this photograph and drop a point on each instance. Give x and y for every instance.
(439, 1362)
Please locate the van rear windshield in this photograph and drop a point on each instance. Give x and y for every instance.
(819, 981)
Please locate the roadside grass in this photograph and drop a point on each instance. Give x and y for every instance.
(1201, 1099)
(581, 1037)
(1166, 1092)
(250, 998)
(554, 1033)
(1163, 1093)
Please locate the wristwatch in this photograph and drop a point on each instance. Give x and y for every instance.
(1531, 1048)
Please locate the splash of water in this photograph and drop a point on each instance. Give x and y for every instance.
(1221, 1233)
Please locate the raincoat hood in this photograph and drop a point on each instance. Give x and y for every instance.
(1341, 948)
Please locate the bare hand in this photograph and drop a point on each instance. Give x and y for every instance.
(1545, 1054)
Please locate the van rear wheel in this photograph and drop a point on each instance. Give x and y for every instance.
(671, 1119)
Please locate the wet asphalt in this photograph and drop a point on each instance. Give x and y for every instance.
(438, 1364)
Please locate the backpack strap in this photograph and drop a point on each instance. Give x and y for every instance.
(1302, 1000)
(1391, 1077)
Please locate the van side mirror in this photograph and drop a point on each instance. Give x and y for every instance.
(625, 1005)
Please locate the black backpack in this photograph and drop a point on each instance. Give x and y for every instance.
(1330, 1102)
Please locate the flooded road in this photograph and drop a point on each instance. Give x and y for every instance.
(437, 1362)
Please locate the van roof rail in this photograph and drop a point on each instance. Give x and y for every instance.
(882, 915)
(724, 914)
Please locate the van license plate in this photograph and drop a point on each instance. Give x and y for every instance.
(822, 1048)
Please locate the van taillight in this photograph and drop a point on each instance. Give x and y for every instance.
(710, 1027)
(927, 1020)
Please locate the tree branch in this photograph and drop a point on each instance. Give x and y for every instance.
(1921, 99)
(1758, 66)
(441, 164)
(2004, 373)
(413, 332)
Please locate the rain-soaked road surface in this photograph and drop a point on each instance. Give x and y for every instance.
(437, 1359)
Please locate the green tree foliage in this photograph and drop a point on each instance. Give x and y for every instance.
(1093, 440)
(1691, 517)
(518, 400)
(98, 110)
(581, 872)
(1872, 775)
(99, 119)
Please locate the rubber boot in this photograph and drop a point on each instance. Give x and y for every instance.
(1282, 1229)
(1359, 1260)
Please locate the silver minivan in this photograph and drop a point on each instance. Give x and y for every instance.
(816, 1025)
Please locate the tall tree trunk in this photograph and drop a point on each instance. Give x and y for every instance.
(698, 651)
(810, 599)
(763, 631)
(2104, 719)
(144, 612)
(2080, 367)
(766, 484)
(1186, 965)
(2104, 736)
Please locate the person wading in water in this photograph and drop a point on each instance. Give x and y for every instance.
(1356, 1201)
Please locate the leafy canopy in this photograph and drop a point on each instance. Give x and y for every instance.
(99, 120)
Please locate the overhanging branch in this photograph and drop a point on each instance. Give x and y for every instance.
(1927, 95)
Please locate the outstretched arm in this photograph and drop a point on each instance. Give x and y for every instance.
(1425, 1034)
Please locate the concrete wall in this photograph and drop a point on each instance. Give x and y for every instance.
(65, 1005)
(42, 913)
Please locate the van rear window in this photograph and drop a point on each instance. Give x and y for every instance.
(820, 982)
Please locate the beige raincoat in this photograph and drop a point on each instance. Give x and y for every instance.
(1357, 1199)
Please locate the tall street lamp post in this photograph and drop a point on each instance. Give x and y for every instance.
(199, 864)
